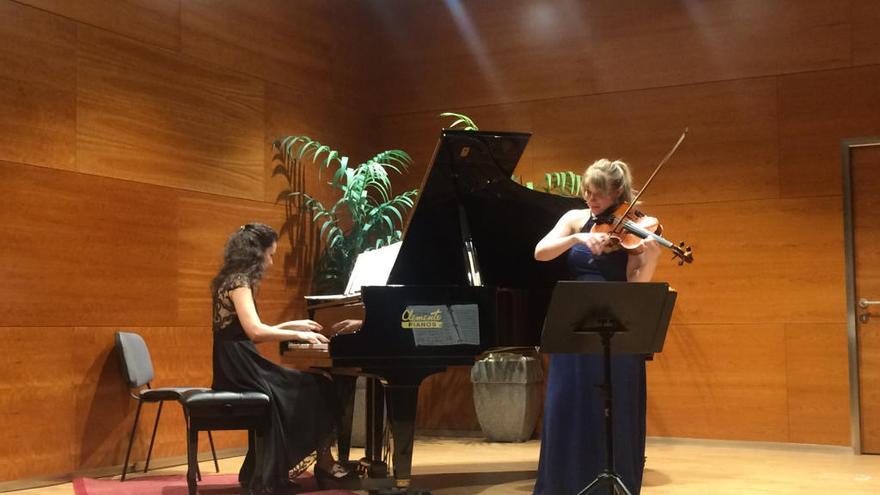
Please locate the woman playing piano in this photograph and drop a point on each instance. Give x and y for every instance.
(572, 440)
(301, 409)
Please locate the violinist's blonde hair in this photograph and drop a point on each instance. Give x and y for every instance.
(608, 176)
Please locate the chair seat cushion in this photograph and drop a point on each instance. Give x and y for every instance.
(167, 393)
(198, 399)
(220, 410)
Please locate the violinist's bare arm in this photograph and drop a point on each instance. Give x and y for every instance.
(640, 267)
(565, 234)
(559, 239)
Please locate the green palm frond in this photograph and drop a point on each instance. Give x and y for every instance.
(566, 183)
(292, 150)
(461, 119)
(341, 171)
(397, 160)
(367, 214)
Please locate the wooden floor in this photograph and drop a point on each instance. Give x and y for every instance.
(680, 467)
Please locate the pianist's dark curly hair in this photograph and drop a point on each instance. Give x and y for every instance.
(244, 255)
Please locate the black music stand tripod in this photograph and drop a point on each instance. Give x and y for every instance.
(583, 317)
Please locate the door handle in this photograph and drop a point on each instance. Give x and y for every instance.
(864, 303)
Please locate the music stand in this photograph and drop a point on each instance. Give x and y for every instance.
(583, 317)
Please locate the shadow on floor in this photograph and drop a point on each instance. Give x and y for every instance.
(441, 481)
(654, 478)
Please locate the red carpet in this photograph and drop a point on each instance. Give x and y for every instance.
(211, 484)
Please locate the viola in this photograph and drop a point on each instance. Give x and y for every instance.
(628, 227)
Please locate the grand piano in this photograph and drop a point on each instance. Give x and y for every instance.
(465, 282)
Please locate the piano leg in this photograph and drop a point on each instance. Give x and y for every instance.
(402, 401)
(345, 389)
(402, 397)
(375, 428)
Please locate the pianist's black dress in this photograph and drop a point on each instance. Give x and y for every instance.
(573, 436)
(300, 416)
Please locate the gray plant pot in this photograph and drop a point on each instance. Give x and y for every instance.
(507, 395)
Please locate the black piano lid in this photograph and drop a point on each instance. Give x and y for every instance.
(473, 169)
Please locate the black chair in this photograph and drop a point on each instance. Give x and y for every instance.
(217, 410)
(137, 369)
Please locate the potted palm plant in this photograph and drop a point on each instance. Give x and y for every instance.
(367, 215)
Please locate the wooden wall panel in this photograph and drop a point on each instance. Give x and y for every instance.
(439, 409)
(754, 263)
(816, 111)
(479, 53)
(866, 37)
(74, 262)
(733, 158)
(36, 400)
(335, 123)
(496, 52)
(205, 223)
(720, 381)
(818, 383)
(289, 43)
(164, 147)
(639, 44)
(104, 411)
(85, 249)
(153, 21)
(65, 384)
(37, 87)
(150, 116)
(355, 56)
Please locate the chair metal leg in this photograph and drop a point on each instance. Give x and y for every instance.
(137, 415)
(213, 452)
(153, 436)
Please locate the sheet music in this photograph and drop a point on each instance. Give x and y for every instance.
(338, 298)
(372, 267)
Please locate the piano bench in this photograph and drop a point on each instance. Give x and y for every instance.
(207, 410)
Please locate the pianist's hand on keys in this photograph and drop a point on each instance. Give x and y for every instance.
(306, 331)
(346, 326)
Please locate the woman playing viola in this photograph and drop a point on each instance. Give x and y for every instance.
(572, 440)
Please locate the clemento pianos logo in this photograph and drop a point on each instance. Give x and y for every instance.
(421, 319)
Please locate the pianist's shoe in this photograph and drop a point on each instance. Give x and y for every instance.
(336, 477)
